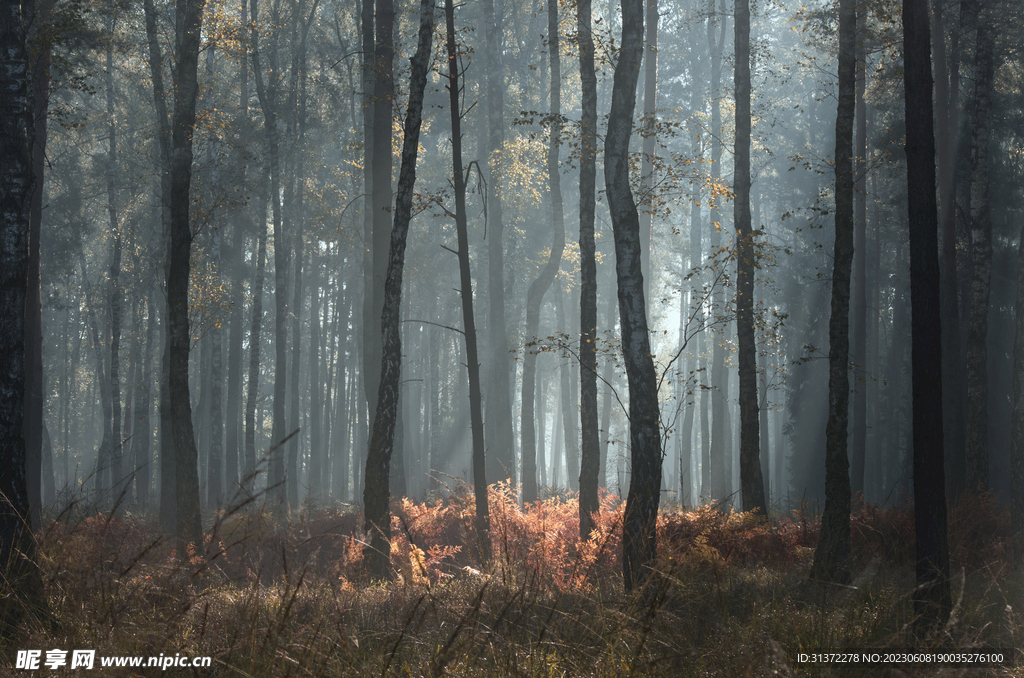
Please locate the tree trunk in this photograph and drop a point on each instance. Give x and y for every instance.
(292, 460)
(186, 88)
(858, 316)
(751, 480)
(1017, 422)
(500, 438)
(720, 451)
(932, 595)
(132, 402)
(639, 539)
(316, 390)
(267, 93)
(249, 451)
(142, 444)
(101, 475)
(22, 584)
(567, 398)
(539, 286)
(381, 195)
(376, 494)
(981, 258)
(167, 454)
(483, 528)
(590, 451)
(833, 551)
(649, 134)
(232, 450)
(115, 275)
(215, 460)
(43, 42)
(947, 79)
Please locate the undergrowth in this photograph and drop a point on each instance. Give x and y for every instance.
(269, 595)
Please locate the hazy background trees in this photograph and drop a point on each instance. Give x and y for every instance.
(304, 230)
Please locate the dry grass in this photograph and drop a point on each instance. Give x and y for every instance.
(266, 596)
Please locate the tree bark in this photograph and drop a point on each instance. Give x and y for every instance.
(249, 450)
(167, 454)
(858, 316)
(1017, 422)
(833, 551)
(380, 192)
(590, 451)
(981, 258)
(267, 93)
(115, 274)
(142, 443)
(42, 41)
(376, 494)
(721, 451)
(947, 78)
(648, 204)
(567, 398)
(186, 87)
(22, 584)
(232, 451)
(316, 390)
(541, 284)
(751, 479)
(639, 539)
(500, 438)
(476, 418)
(932, 595)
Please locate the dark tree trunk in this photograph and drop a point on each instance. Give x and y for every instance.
(483, 528)
(764, 435)
(369, 71)
(186, 88)
(590, 451)
(567, 398)
(101, 475)
(115, 275)
(376, 494)
(932, 595)
(316, 389)
(43, 42)
(639, 540)
(215, 460)
(292, 459)
(541, 284)
(1017, 422)
(649, 134)
(142, 443)
(500, 438)
(167, 454)
(859, 310)
(981, 259)
(947, 79)
(380, 192)
(232, 449)
(22, 584)
(751, 479)
(249, 450)
(833, 551)
(721, 450)
(267, 93)
(132, 395)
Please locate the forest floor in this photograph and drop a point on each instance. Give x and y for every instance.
(274, 595)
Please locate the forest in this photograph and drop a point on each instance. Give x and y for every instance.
(648, 337)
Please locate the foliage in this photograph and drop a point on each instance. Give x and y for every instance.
(268, 596)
